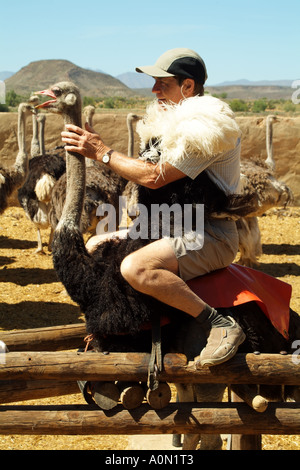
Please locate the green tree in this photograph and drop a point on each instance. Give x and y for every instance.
(12, 99)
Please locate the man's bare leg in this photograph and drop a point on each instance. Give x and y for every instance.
(153, 270)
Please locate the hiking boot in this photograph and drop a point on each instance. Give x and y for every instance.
(222, 344)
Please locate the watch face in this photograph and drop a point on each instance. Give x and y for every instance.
(105, 158)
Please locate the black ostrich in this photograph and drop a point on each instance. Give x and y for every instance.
(35, 194)
(102, 186)
(110, 305)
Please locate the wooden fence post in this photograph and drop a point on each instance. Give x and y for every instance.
(244, 441)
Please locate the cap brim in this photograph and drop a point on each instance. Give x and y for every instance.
(154, 71)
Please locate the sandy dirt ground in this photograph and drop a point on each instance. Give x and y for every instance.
(31, 297)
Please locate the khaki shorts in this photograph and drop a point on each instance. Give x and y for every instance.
(219, 249)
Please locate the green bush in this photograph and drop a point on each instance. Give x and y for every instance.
(109, 103)
(118, 102)
(222, 96)
(12, 99)
(89, 101)
(289, 107)
(259, 106)
(272, 104)
(3, 108)
(238, 105)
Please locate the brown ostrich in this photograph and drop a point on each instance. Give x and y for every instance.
(11, 179)
(259, 177)
(131, 118)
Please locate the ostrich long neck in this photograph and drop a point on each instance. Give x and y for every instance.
(130, 137)
(269, 141)
(35, 146)
(21, 163)
(75, 179)
(41, 121)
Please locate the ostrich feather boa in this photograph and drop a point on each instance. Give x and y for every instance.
(201, 125)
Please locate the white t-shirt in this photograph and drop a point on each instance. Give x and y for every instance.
(223, 169)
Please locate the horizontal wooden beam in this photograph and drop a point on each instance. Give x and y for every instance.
(209, 418)
(267, 369)
(20, 390)
(53, 338)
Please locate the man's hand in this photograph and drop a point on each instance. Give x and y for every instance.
(86, 142)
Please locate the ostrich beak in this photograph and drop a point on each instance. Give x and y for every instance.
(46, 93)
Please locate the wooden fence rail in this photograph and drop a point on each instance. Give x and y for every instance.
(208, 418)
(52, 338)
(267, 369)
(39, 365)
(22, 390)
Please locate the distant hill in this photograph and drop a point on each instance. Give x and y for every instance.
(245, 82)
(243, 92)
(5, 74)
(43, 73)
(241, 89)
(136, 80)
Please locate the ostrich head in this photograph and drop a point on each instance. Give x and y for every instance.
(26, 109)
(66, 100)
(33, 100)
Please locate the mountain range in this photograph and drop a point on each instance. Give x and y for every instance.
(40, 74)
(245, 82)
(5, 74)
(140, 80)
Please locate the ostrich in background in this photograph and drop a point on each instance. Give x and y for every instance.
(131, 118)
(41, 120)
(35, 148)
(259, 177)
(44, 170)
(110, 305)
(269, 142)
(12, 179)
(88, 112)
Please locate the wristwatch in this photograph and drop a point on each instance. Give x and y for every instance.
(106, 157)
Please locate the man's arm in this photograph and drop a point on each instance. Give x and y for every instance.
(89, 144)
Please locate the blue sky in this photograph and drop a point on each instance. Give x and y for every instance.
(252, 39)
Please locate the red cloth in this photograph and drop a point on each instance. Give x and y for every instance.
(237, 285)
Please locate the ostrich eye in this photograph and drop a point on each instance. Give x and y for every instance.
(57, 91)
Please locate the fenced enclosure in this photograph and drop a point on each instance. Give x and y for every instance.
(42, 373)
